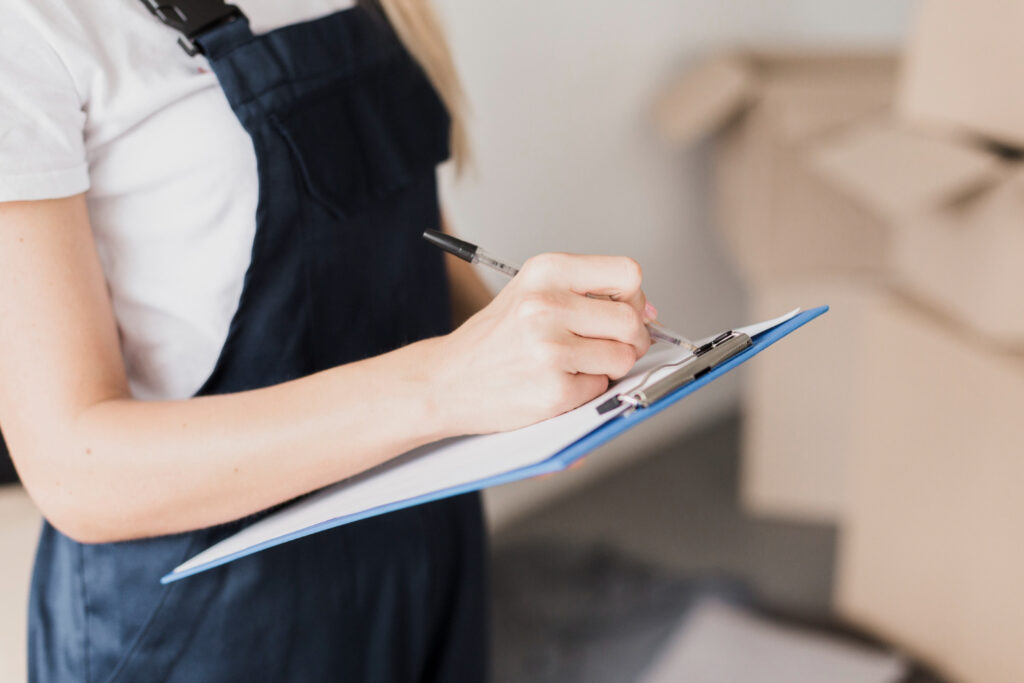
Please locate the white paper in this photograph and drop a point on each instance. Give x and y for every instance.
(718, 643)
(448, 464)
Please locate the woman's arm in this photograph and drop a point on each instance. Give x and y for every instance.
(104, 467)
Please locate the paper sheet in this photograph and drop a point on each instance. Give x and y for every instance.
(446, 464)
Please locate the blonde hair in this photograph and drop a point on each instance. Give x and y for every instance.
(418, 26)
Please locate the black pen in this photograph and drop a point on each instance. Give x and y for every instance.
(474, 254)
(469, 252)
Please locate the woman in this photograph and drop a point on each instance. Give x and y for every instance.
(216, 299)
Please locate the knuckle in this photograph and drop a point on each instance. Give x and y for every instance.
(643, 344)
(633, 273)
(541, 264)
(629, 316)
(534, 305)
(628, 319)
(558, 393)
(549, 354)
(622, 361)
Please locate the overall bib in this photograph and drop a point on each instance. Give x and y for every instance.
(347, 132)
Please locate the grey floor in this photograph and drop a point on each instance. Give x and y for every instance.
(588, 588)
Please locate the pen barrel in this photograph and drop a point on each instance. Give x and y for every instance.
(482, 258)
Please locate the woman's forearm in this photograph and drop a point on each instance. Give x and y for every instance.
(130, 469)
(133, 469)
(103, 467)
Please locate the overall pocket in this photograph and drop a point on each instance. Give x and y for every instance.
(360, 140)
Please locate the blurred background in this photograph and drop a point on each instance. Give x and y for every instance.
(846, 507)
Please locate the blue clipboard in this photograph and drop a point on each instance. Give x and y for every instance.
(561, 460)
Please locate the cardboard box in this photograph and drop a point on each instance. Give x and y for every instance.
(964, 68)
(797, 427)
(769, 108)
(931, 553)
(957, 215)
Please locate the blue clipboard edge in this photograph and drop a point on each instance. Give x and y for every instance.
(556, 462)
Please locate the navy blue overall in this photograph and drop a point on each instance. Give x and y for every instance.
(347, 132)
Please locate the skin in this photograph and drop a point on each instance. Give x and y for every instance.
(469, 293)
(104, 467)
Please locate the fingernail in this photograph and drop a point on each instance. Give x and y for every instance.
(650, 311)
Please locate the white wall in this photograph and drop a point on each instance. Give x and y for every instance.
(567, 159)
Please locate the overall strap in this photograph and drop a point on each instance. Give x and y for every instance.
(191, 18)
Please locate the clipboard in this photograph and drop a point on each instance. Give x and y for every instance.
(625, 406)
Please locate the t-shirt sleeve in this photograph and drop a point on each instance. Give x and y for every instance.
(42, 120)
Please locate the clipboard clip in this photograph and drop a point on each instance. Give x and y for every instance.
(704, 360)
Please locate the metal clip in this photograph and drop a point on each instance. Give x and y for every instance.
(691, 368)
(192, 17)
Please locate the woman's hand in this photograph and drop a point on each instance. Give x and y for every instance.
(542, 347)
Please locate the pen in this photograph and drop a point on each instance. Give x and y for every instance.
(474, 254)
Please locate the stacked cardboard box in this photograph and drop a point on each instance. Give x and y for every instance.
(931, 553)
(798, 240)
(955, 209)
(897, 417)
(769, 110)
(946, 174)
(797, 433)
(963, 69)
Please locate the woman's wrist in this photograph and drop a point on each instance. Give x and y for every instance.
(428, 388)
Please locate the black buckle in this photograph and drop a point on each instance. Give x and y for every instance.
(192, 17)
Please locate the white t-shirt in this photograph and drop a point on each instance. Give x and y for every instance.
(96, 96)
